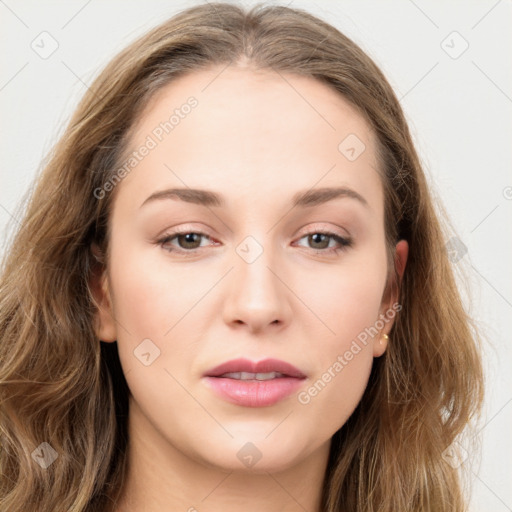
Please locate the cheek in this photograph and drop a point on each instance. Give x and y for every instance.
(344, 299)
(347, 302)
(151, 296)
(155, 312)
(335, 391)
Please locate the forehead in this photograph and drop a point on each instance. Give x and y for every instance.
(251, 130)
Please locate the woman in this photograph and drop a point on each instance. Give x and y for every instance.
(308, 350)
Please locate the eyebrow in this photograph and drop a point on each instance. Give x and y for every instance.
(303, 199)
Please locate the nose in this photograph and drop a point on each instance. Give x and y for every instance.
(258, 296)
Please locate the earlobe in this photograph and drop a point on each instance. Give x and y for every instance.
(380, 345)
(104, 323)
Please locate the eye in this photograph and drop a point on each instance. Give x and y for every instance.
(188, 241)
(321, 240)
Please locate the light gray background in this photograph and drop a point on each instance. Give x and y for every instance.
(459, 110)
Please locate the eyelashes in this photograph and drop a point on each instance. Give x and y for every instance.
(190, 237)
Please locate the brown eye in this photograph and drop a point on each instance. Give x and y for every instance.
(316, 240)
(320, 240)
(189, 240)
(185, 242)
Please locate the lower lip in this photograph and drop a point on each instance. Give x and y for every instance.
(252, 393)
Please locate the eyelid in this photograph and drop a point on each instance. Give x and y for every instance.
(319, 227)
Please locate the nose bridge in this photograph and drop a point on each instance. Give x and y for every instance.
(255, 258)
(257, 297)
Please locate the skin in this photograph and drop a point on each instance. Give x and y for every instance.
(257, 138)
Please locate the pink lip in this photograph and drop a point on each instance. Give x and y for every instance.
(253, 393)
(265, 366)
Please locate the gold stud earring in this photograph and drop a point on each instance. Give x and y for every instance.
(386, 337)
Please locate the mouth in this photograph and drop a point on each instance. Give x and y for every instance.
(252, 376)
(245, 383)
(244, 369)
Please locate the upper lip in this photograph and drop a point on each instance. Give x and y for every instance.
(264, 366)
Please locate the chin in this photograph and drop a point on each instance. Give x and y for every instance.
(254, 454)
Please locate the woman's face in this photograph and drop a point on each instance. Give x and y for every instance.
(258, 280)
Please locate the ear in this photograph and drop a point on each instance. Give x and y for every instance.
(104, 323)
(391, 297)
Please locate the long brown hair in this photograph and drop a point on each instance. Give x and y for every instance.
(60, 385)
